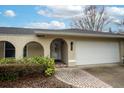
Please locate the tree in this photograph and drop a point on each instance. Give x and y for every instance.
(120, 24)
(94, 18)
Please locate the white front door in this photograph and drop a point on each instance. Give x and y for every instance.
(56, 50)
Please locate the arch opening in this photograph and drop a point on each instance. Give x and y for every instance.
(33, 49)
(59, 51)
(7, 50)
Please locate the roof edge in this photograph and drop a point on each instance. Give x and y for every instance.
(80, 34)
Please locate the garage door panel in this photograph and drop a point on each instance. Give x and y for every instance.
(96, 52)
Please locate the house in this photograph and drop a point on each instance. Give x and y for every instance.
(70, 46)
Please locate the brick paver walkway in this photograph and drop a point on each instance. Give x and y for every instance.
(79, 78)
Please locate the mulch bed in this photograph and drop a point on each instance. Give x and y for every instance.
(35, 81)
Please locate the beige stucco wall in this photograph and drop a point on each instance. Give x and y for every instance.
(122, 51)
(65, 53)
(19, 41)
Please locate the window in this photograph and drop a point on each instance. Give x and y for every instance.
(9, 50)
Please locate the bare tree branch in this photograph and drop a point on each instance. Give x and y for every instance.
(120, 24)
(94, 19)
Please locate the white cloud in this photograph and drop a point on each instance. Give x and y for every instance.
(115, 11)
(46, 25)
(61, 11)
(57, 24)
(70, 11)
(9, 13)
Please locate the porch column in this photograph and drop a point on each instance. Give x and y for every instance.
(46, 49)
(19, 51)
(122, 51)
(2, 49)
(71, 53)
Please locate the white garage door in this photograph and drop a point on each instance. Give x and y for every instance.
(96, 52)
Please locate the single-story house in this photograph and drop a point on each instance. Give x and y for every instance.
(70, 46)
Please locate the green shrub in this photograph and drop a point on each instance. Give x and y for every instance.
(23, 61)
(49, 71)
(10, 69)
(7, 60)
(13, 71)
(48, 64)
(8, 76)
(37, 60)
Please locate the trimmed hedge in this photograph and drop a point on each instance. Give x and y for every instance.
(7, 60)
(11, 69)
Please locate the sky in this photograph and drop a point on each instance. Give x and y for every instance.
(49, 17)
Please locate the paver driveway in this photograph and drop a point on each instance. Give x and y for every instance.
(79, 78)
(112, 75)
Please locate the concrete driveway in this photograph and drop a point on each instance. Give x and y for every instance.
(112, 75)
(79, 78)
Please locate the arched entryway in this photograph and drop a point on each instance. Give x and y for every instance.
(7, 49)
(33, 49)
(59, 51)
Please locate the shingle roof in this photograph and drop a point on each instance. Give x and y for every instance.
(13, 30)
(28, 31)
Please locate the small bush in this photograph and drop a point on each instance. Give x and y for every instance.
(48, 64)
(13, 71)
(8, 76)
(49, 71)
(7, 60)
